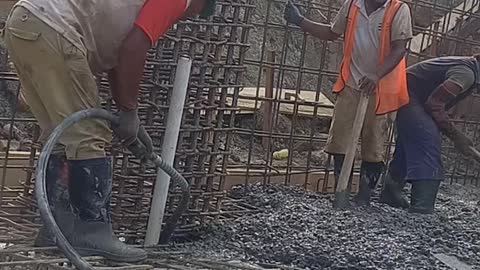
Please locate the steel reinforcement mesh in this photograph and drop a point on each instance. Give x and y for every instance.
(257, 87)
(217, 47)
(289, 82)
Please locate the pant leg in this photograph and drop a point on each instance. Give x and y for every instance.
(421, 142)
(342, 122)
(374, 134)
(398, 164)
(57, 81)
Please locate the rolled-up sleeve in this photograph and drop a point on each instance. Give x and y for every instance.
(461, 75)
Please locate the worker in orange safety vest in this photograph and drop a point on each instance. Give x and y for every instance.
(376, 34)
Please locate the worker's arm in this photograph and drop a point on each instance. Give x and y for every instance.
(397, 53)
(154, 20)
(401, 33)
(125, 78)
(458, 79)
(319, 30)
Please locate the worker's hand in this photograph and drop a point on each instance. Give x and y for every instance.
(127, 130)
(292, 14)
(368, 85)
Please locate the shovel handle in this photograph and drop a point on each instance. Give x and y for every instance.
(476, 153)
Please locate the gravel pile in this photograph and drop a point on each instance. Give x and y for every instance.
(300, 229)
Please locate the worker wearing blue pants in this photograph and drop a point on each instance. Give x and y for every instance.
(434, 86)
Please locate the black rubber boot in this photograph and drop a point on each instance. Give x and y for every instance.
(424, 195)
(392, 192)
(370, 173)
(57, 181)
(90, 193)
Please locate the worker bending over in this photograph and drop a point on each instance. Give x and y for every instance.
(57, 47)
(376, 33)
(434, 86)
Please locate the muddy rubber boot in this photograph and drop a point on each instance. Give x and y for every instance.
(424, 195)
(370, 173)
(90, 193)
(342, 200)
(57, 179)
(392, 192)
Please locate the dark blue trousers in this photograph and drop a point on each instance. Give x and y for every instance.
(417, 153)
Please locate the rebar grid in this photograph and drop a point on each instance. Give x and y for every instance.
(221, 136)
(217, 47)
(307, 65)
(33, 258)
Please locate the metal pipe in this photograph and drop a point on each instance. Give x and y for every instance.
(169, 147)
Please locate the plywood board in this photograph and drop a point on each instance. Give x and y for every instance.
(247, 96)
(15, 175)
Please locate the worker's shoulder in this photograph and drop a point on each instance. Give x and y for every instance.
(446, 61)
(462, 69)
(404, 7)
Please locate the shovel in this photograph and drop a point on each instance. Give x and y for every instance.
(342, 193)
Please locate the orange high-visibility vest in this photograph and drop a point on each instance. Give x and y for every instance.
(392, 92)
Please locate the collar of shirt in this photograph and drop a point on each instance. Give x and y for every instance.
(361, 5)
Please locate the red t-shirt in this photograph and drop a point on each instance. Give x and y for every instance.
(157, 16)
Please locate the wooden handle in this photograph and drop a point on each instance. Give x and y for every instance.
(352, 146)
(476, 152)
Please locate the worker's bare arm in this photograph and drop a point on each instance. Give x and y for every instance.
(319, 30)
(128, 73)
(125, 81)
(401, 33)
(398, 49)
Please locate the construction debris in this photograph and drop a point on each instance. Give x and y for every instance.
(300, 229)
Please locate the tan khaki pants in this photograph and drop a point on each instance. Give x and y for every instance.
(58, 82)
(374, 132)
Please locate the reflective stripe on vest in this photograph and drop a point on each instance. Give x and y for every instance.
(392, 92)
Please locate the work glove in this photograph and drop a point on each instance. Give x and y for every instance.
(129, 130)
(128, 125)
(292, 14)
(143, 147)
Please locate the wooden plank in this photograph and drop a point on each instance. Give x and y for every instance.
(452, 262)
(247, 96)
